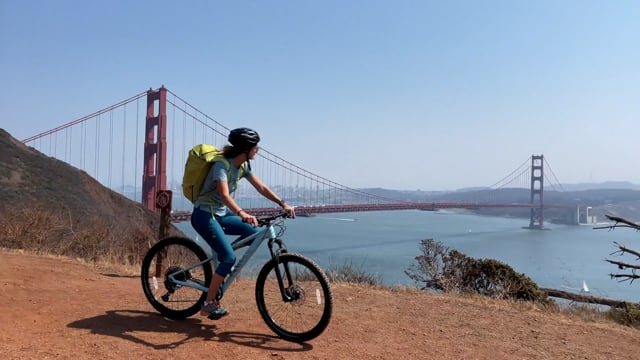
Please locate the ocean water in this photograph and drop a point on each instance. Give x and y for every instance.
(386, 243)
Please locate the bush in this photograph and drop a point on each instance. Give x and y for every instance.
(629, 315)
(442, 269)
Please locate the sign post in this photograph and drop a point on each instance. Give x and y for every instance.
(163, 202)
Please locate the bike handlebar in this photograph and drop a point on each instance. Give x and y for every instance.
(264, 221)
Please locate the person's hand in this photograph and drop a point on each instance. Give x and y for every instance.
(288, 208)
(248, 218)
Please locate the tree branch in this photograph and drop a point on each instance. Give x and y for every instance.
(625, 277)
(585, 298)
(624, 249)
(623, 265)
(627, 223)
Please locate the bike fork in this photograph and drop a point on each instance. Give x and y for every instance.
(275, 255)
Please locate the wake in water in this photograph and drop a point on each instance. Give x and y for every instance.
(584, 288)
(337, 219)
(574, 289)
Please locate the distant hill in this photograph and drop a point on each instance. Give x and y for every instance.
(45, 198)
(624, 185)
(614, 198)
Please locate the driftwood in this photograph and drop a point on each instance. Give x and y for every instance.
(585, 298)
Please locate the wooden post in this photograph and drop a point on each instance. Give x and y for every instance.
(163, 202)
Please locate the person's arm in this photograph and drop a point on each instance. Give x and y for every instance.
(227, 199)
(265, 191)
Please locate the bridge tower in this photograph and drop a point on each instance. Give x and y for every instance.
(537, 192)
(154, 177)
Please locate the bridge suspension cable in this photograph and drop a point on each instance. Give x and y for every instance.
(519, 171)
(85, 118)
(556, 181)
(271, 157)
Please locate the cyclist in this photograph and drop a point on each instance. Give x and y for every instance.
(215, 213)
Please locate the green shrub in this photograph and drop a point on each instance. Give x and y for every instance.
(629, 315)
(442, 269)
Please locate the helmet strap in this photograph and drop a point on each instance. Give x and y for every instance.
(248, 162)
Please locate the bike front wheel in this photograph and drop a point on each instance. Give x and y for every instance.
(172, 259)
(302, 310)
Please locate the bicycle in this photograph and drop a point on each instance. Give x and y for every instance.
(292, 292)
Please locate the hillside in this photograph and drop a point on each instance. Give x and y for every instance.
(44, 199)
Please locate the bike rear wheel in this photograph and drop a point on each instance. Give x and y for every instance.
(173, 257)
(306, 311)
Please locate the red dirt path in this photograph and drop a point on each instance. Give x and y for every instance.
(58, 308)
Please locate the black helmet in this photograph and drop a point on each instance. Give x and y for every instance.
(244, 138)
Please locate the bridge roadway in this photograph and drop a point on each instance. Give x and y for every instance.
(178, 216)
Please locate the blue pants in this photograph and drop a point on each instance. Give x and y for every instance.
(213, 230)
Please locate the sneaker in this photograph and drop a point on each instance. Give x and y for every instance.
(212, 310)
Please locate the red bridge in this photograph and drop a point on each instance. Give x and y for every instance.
(151, 133)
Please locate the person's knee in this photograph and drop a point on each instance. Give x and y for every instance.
(225, 265)
(226, 262)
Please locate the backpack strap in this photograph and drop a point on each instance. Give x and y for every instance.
(242, 170)
(226, 163)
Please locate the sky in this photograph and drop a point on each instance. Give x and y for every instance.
(431, 95)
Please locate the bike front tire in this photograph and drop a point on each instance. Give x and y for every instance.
(173, 256)
(306, 311)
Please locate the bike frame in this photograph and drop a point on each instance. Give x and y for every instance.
(268, 233)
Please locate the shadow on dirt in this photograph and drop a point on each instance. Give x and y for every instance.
(132, 324)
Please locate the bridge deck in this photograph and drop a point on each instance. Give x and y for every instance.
(178, 216)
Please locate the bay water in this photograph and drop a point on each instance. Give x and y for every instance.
(385, 244)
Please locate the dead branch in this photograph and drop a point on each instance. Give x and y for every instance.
(626, 277)
(585, 298)
(613, 226)
(625, 222)
(622, 265)
(624, 249)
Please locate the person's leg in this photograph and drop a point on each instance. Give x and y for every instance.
(211, 231)
(233, 225)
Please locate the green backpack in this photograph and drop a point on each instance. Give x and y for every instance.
(199, 162)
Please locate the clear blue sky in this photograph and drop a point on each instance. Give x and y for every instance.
(398, 94)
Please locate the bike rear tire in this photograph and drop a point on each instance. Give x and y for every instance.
(309, 313)
(171, 255)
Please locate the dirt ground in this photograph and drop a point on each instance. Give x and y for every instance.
(59, 308)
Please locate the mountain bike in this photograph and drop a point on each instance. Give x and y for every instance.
(292, 292)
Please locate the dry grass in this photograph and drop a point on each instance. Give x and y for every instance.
(350, 273)
(56, 233)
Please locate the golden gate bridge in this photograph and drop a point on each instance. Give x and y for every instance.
(138, 147)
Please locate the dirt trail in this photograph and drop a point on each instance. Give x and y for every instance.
(57, 308)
